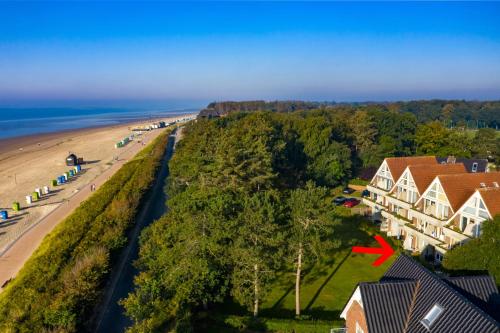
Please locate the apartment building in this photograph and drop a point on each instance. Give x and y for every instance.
(432, 206)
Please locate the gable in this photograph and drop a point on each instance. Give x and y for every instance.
(383, 171)
(436, 192)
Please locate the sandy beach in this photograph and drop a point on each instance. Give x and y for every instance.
(31, 162)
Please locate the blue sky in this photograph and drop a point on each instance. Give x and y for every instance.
(113, 53)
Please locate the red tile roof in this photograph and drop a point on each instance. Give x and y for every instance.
(398, 164)
(424, 174)
(459, 187)
(491, 198)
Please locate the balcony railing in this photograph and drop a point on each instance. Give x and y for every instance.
(338, 330)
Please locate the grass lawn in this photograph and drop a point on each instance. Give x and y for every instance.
(326, 286)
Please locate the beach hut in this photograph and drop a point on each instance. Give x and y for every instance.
(75, 169)
(4, 215)
(29, 199)
(65, 177)
(54, 182)
(71, 173)
(78, 168)
(38, 191)
(46, 190)
(35, 196)
(71, 160)
(16, 207)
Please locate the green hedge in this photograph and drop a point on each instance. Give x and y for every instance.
(59, 286)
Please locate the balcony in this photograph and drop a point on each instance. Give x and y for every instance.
(396, 218)
(410, 229)
(373, 204)
(425, 217)
(377, 190)
(455, 234)
(398, 202)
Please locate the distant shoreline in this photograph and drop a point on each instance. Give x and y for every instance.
(17, 142)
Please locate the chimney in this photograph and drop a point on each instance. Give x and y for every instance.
(451, 160)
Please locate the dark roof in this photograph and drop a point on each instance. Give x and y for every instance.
(480, 290)
(482, 164)
(392, 298)
(407, 292)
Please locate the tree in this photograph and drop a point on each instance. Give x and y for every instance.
(364, 131)
(447, 111)
(479, 254)
(486, 142)
(256, 250)
(308, 229)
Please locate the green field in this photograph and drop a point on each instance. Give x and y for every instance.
(326, 287)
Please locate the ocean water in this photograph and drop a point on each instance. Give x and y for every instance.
(21, 122)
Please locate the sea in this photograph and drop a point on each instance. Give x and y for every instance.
(22, 122)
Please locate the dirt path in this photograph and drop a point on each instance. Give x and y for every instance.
(15, 255)
(111, 316)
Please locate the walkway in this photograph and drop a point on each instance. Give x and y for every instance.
(111, 316)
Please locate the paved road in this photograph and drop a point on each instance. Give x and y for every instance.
(15, 255)
(111, 317)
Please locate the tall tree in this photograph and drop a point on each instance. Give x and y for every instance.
(486, 143)
(309, 228)
(257, 249)
(364, 131)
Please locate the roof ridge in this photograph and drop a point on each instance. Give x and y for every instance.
(448, 287)
(389, 282)
(412, 305)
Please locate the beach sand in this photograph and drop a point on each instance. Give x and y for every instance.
(31, 162)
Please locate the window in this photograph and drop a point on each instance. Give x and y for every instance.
(463, 223)
(477, 230)
(474, 167)
(359, 329)
(481, 204)
(413, 197)
(431, 316)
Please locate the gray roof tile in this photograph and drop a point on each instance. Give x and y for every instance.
(408, 287)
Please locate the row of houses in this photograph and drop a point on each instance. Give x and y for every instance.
(433, 204)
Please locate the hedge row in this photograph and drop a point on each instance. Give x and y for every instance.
(60, 285)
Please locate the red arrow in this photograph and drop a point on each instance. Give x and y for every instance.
(385, 250)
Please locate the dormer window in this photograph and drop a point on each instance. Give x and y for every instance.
(482, 184)
(431, 316)
(474, 167)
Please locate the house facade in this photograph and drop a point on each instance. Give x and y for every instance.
(428, 205)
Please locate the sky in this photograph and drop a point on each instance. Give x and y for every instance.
(190, 53)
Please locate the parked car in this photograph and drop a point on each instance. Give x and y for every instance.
(339, 200)
(347, 190)
(351, 202)
(365, 193)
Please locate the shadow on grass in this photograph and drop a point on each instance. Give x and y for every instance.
(320, 289)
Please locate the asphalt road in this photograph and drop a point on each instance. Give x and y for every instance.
(111, 317)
